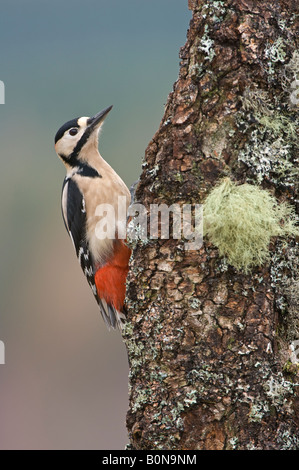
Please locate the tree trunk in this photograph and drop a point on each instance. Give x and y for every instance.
(213, 345)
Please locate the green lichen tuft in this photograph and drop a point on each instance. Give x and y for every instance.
(241, 219)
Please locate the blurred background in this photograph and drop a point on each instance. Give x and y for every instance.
(65, 381)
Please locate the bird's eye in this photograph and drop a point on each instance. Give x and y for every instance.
(73, 131)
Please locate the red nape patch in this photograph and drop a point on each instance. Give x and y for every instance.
(110, 280)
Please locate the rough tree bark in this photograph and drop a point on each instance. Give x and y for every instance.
(209, 346)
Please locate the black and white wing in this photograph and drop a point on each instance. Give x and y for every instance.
(74, 216)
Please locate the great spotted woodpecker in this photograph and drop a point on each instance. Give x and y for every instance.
(90, 181)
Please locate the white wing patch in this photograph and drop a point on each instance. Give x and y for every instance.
(64, 204)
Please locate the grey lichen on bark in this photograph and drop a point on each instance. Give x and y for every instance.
(209, 345)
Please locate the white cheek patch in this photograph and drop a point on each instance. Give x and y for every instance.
(67, 143)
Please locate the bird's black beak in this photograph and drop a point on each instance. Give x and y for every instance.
(96, 120)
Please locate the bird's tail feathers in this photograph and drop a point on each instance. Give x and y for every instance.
(112, 317)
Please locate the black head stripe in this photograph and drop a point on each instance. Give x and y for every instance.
(65, 127)
(81, 142)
